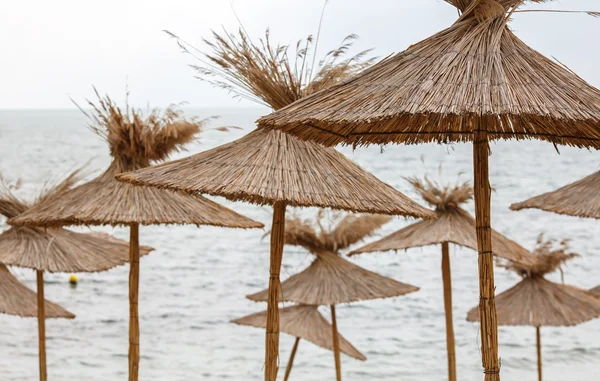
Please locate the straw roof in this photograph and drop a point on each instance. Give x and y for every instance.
(580, 199)
(305, 322)
(135, 142)
(595, 291)
(56, 249)
(476, 74)
(453, 224)
(264, 167)
(536, 301)
(17, 299)
(331, 279)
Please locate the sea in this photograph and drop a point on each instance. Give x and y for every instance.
(196, 280)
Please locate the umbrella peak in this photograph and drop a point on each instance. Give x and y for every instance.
(548, 256)
(442, 197)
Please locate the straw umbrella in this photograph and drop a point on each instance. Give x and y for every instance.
(595, 291)
(474, 81)
(304, 322)
(54, 249)
(579, 199)
(135, 142)
(330, 279)
(271, 168)
(452, 225)
(538, 302)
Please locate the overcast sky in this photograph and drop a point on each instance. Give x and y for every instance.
(53, 50)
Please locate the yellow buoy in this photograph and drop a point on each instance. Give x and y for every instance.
(73, 279)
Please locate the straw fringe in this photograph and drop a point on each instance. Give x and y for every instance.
(17, 299)
(305, 322)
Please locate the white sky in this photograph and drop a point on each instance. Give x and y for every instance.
(53, 50)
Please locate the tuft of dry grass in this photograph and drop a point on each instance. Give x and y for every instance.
(273, 74)
(442, 197)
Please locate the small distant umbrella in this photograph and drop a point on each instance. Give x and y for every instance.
(16, 299)
(304, 322)
(537, 302)
(135, 141)
(579, 199)
(595, 291)
(330, 279)
(54, 249)
(474, 81)
(272, 168)
(452, 225)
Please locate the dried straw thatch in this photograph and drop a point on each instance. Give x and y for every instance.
(135, 142)
(475, 73)
(595, 291)
(273, 168)
(580, 199)
(305, 322)
(17, 299)
(474, 81)
(453, 224)
(538, 302)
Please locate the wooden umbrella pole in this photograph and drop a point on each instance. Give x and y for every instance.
(336, 345)
(447, 280)
(288, 368)
(272, 334)
(41, 324)
(487, 302)
(539, 352)
(134, 284)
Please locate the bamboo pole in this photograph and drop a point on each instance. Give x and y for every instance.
(487, 302)
(539, 352)
(447, 280)
(134, 284)
(336, 345)
(41, 324)
(288, 368)
(272, 333)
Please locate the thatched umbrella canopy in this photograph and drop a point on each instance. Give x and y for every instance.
(16, 299)
(595, 291)
(472, 82)
(271, 168)
(331, 279)
(135, 141)
(538, 302)
(54, 249)
(579, 199)
(452, 225)
(304, 322)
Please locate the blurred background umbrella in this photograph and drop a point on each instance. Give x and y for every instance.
(271, 168)
(304, 322)
(135, 141)
(54, 249)
(452, 225)
(536, 301)
(330, 279)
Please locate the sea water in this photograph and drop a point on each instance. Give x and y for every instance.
(195, 281)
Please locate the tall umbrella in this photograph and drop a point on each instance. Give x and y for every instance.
(538, 302)
(474, 81)
(304, 322)
(271, 168)
(452, 225)
(54, 249)
(579, 199)
(135, 141)
(330, 279)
